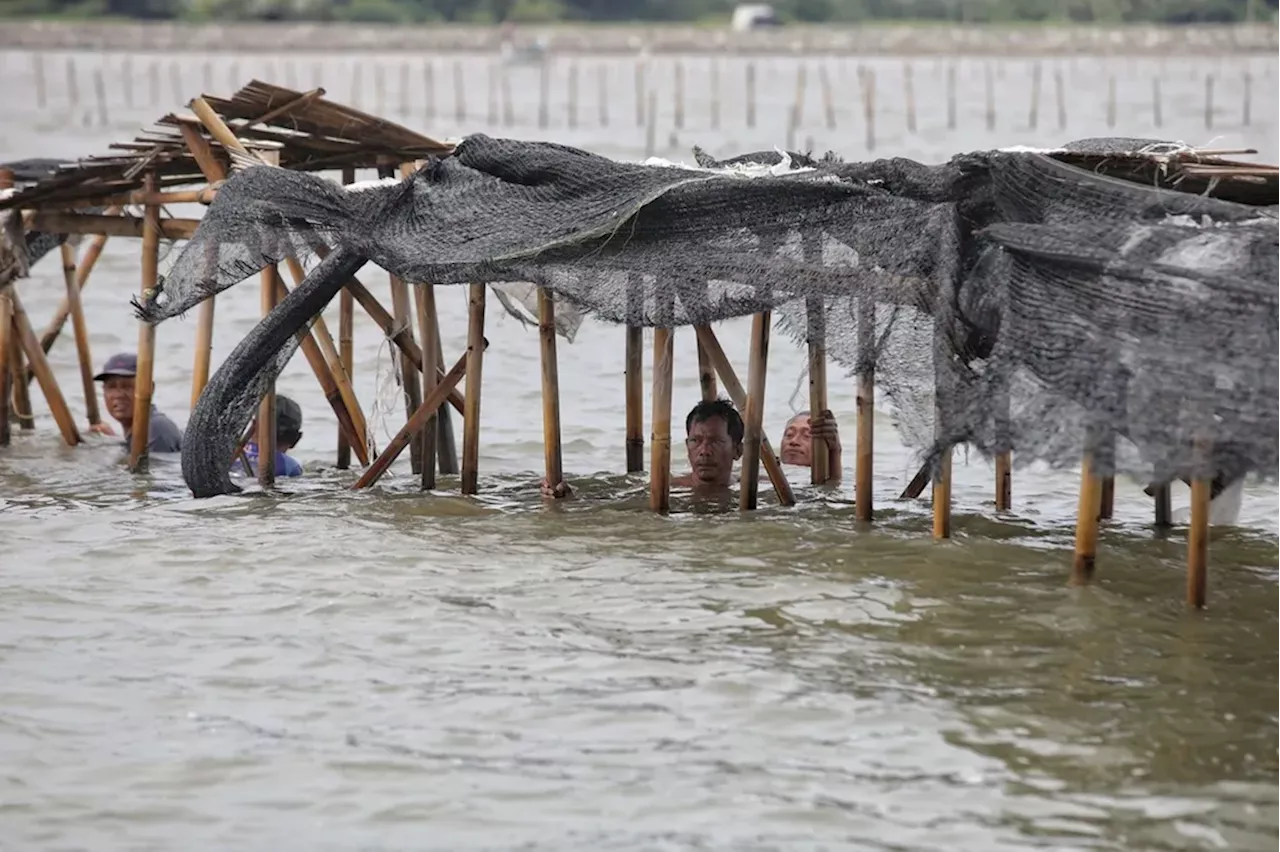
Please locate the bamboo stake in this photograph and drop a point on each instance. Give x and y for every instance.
(21, 394)
(551, 448)
(909, 95)
(271, 285)
(1034, 118)
(415, 422)
(425, 302)
(446, 446)
(471, 412)
(1004, 481)
(6, 378)
(635, 399)
(346, 349)
(400, 312)
(751, 94)
(1086, 523)
(213, 172)
(54, 328)
(754, 420)
(660, 437)
(81, 333)
(820, 453)
(738, 395)
(942, 497)
(706, 375)
(1163, 508)
(26, 339)
(866, 406)
(951, 97)
(144, 386)
(1198, 535)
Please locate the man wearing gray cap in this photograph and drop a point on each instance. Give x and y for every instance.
(288, 434)
(118, 377)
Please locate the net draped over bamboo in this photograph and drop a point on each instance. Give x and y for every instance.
(1005, 299)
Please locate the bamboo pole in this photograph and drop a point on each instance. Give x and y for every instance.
(56, 222)
(87, 261)
(425, 302)
(471, 411)
(706, 375)
(400, 308)
(6, 378)
(635, 399)
(1004, 481)
(81, 333)
(212, 170)
(551, 448)
(754, 420)
(728, 378)
(866, 407)
(26, 339)
(346, 347)
(144, 386)
(1086, 523)
(1163, 508)
(21, 394)
(1198, 534)
(446, 445)
(271, 285)
(415, 423)
(820, 453)
(660, 437)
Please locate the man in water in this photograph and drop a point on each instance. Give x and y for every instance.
(797, 442)
(713, 441)
(288, 434)
(118, 377)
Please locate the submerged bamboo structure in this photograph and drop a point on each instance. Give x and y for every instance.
(189, 156)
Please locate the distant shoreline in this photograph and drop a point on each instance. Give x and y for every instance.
(871, 40)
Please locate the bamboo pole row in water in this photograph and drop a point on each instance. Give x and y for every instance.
(420, 97)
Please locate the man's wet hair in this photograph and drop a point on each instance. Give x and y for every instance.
(721, 408)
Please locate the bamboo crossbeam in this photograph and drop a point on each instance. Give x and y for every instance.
(26, 338)
(728, 378)
(415, 423)
(398, 336)
(55, 222)
(81, 330)
(139, 197)
(329, 385)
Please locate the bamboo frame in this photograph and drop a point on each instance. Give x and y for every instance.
(552, 451)
(471, 413)
(729, 378)
(757, 372)
(415, 423)
(81, 331)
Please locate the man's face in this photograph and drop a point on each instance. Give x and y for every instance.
(712, 452)
(797, 447)
(117, 394)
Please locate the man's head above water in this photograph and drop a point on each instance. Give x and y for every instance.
(714, 441)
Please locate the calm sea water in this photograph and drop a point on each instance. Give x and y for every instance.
(322, 670)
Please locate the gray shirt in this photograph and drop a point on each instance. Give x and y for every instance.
(163, 435)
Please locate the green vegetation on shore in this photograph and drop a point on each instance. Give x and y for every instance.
(657, 11)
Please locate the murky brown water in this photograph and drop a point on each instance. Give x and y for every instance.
(315, 669)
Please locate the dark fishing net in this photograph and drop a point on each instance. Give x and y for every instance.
(1005, 300)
